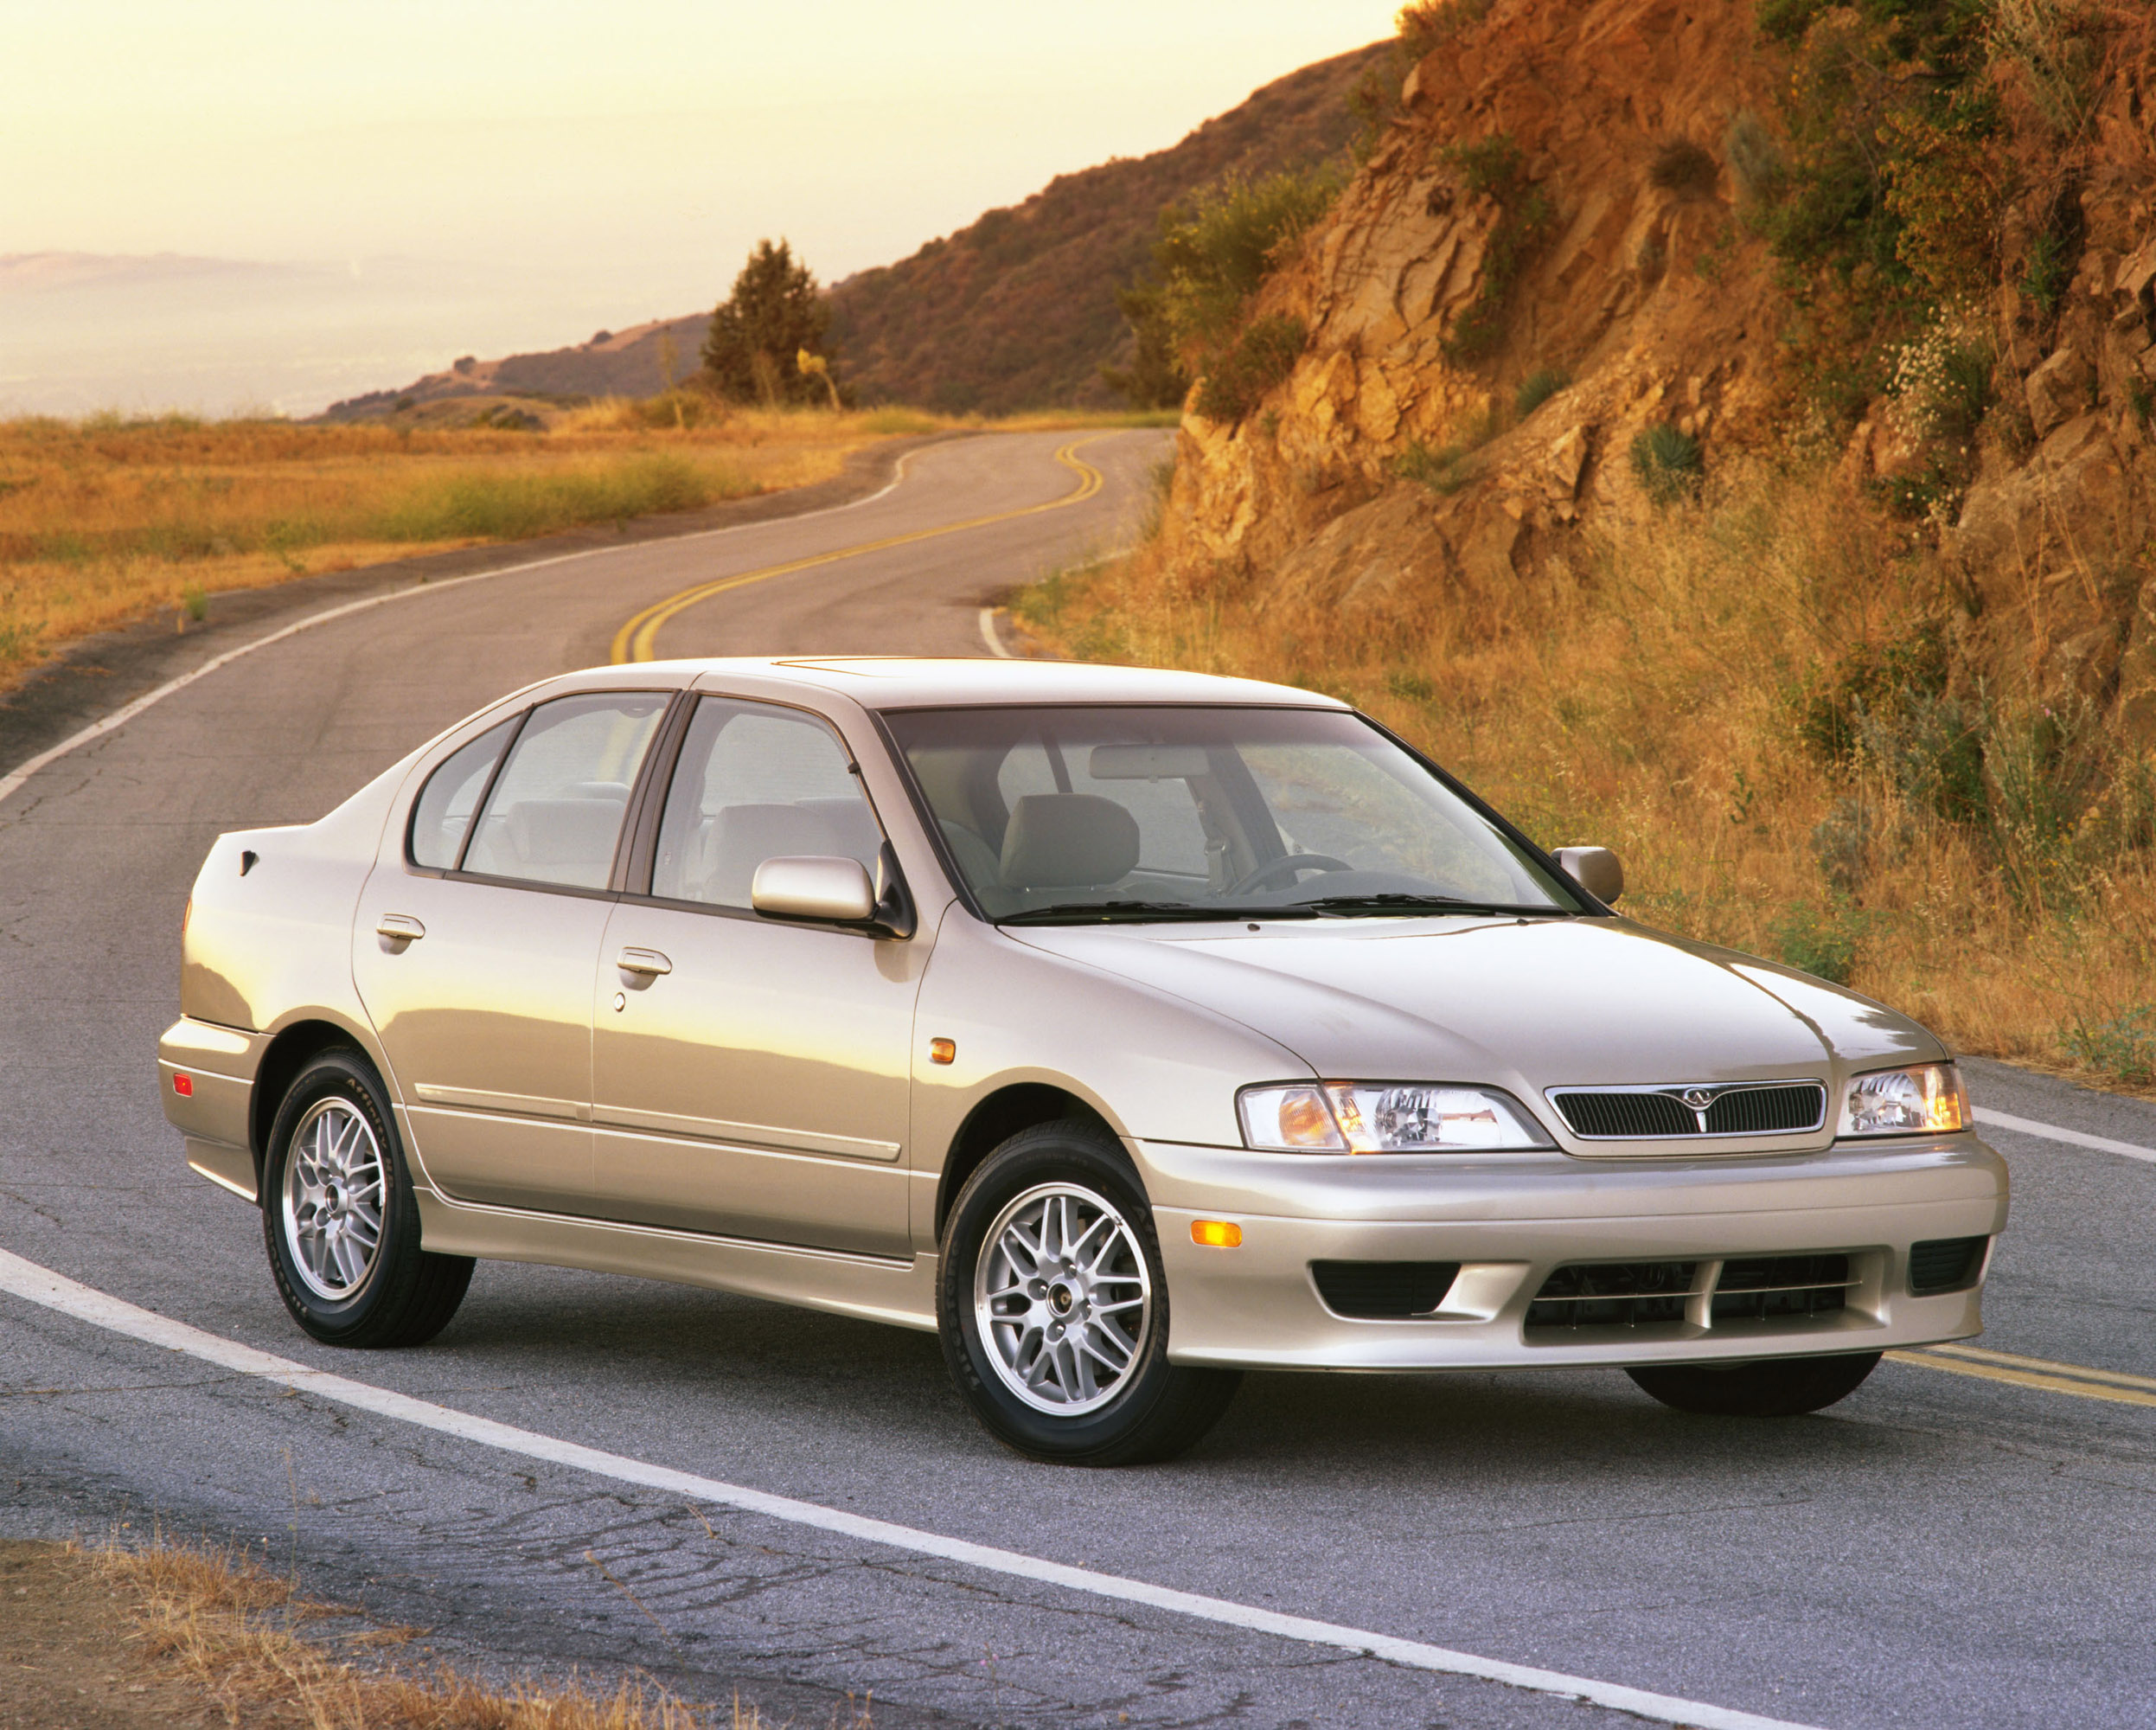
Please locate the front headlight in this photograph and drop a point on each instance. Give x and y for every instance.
(1926, 1099)
(1384, 1116)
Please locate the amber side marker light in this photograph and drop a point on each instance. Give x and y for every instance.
(183, 1085)
(943, 1051)
(1216, 1234)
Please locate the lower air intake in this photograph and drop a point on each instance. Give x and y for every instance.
(1767, 1287)
(1614, 1294)
(1945, 1265)
(1383, 1290)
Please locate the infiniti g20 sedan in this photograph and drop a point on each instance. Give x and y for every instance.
(1128, 1028)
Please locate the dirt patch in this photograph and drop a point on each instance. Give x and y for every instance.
(72, 1654)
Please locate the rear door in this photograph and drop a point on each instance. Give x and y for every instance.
(475, 953)
(751, 1075)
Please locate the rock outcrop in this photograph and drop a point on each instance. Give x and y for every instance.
(1388, 468)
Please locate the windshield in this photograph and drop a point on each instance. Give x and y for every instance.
(1081, 815)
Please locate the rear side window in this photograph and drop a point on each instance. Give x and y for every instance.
(442, 811)
(556, 813)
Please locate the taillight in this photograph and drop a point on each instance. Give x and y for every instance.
(183, 1085)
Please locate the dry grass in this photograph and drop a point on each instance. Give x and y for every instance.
(106, 521)
(102, 522)
(1657, 702)
(231, 1625)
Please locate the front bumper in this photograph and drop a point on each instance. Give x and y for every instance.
(1511, 1221)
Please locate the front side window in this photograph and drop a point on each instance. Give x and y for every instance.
(556, 813)
(756, 782)
(1054, 814)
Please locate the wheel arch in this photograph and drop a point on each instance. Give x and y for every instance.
(294, 1046)
(998, 1117)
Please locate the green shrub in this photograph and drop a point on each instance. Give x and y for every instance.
(1495, 167)
(1256, 360)
(1442, 470)
(1823, 943)
(1538, 387)
(2121, 1045)
(1427, 24)
(1683, 166)
(2044, 275)
(1668, 464)
(1755, 159)
(1212, 254)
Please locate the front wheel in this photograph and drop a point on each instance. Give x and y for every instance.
(338, 1214)
(1775, 1387)
(1053, 1306)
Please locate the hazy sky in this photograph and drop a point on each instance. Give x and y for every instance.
(636, 148)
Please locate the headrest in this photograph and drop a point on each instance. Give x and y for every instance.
(1068, 841)
(572, 832)
(744, 837)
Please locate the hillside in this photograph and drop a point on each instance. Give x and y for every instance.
(1727, 433)
(1017, 311)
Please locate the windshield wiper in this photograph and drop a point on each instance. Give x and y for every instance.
(1110, 913)
(1346, 906)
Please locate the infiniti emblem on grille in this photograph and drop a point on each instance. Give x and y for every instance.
(1698, 1097)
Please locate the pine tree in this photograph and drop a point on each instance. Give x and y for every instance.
(775, 313)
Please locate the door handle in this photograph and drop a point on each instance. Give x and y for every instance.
(647, 962)
(399, 927)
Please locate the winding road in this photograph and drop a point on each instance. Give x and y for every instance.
(611, 1475)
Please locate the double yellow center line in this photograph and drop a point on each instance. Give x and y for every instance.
(637, 639)
(2078, 1380)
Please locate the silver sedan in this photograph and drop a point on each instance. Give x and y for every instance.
(1127, 1028)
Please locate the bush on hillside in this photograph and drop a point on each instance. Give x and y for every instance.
(1668, 464)
(1210, 257)
(1494, 167)
(1256, 360)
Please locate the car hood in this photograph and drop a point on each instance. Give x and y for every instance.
(1526, 1003)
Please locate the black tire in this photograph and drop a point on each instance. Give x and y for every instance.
(403, 1296)
(1157, 1409)
(1775, 1387)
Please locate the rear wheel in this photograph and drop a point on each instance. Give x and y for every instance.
(339, 1218)
(1776, 1388)
(1053, 1308)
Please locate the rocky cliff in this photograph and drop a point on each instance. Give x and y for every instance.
(1573, 191)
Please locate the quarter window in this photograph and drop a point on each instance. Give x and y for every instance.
(442, 811)
(556, 813)
(755, 782)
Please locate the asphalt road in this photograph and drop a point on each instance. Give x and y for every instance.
(1946, 1547)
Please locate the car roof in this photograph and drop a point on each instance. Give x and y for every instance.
(883, 681)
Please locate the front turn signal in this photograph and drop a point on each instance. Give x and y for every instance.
(1216, 1234)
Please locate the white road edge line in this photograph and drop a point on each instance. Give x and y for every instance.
(2030, 1126)
(119, 717)
(989, 636)
(41, 1285)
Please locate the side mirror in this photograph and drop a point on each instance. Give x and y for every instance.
(837, 890)
(1595, 869)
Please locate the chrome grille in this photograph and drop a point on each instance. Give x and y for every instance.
(1732, 1108)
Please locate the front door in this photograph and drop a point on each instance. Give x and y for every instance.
(750, 1075)
(474, 953)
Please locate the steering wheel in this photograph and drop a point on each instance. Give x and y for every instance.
(1289, 864)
